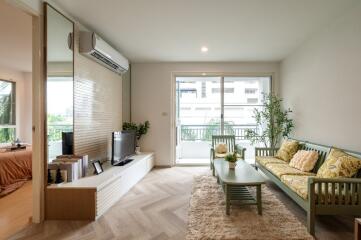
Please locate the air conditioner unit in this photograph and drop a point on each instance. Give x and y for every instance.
(92, 46)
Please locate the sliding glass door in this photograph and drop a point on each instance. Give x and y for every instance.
(207, 106)
(198, 117)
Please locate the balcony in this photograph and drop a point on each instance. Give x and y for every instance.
(194, 141)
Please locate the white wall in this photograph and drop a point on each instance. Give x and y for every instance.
(151, 97)
(321, 82)
(23, 101)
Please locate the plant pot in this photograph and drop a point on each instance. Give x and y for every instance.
(232, 165)
(137, 150)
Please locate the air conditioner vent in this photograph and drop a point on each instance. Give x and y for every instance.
(105, 60)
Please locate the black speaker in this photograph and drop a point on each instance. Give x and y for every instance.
(67, 143)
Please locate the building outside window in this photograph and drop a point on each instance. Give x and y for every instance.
(7, 111)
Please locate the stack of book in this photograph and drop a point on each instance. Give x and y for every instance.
(75, 166)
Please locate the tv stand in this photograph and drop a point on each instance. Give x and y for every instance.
(90, 197)
(122, 163)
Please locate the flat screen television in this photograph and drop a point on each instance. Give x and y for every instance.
(123, 147)
(67, 143)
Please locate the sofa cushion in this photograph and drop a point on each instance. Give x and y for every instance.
(284, 169)
(221, 148)
(304, 160)
(339, 164)
(297, 183)
(266, 160)
(220, 155)
(287, 150)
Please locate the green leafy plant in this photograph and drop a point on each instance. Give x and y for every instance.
(272, 122)
(140, 129)
(231, 157)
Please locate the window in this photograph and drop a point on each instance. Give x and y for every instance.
(252, 100)
(250, 90)
(204, 90)
(7, 111)
(226, 90)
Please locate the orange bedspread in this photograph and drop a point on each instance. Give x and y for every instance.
(15, 170)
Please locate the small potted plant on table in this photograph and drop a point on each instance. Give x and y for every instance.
(231, 158)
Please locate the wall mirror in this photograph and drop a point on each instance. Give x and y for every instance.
(59, 40)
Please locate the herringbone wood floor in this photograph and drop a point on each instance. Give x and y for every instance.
(156, 208)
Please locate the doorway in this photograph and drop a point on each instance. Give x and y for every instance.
(215, 105)
(16, 142)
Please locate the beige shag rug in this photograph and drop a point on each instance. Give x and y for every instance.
(207, 218)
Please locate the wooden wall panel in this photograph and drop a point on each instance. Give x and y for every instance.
(97, 105)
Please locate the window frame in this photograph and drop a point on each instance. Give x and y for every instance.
(13, 109)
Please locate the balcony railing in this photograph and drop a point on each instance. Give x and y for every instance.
(55, 130)
(205, 132)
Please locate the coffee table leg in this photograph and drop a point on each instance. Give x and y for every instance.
(259, 199)
(226, 188)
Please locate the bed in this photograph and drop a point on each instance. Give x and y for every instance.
(15, 170)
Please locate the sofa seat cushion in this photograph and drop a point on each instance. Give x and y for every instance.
(266, 160)
(220, 155)
(223, 155)
(284, 169)
(297, 183)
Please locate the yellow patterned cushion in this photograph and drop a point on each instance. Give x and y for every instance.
(266, 160)
(221, 148)
(287, 150)
(304, 160)
(297, 183)
(339, 164)
(284, 169)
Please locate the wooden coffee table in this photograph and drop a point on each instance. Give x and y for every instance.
(235, 182)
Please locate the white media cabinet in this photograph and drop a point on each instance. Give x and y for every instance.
(90, 197)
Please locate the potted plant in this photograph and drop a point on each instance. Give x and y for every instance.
(272, 122)
(140, 130)
(231, 158)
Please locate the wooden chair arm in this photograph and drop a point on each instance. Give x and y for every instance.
(263, 152)
(212, 153)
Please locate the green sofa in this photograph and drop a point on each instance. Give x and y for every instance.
(339, 196)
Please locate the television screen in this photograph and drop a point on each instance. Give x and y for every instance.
(123, 146)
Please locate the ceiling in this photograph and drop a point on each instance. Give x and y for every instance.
(15, 38)
(233, 30)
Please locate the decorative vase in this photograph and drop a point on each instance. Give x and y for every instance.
(232, 165)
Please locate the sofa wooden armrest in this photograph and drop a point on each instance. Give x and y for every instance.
(334, 190)
(331, 196)
(265, 152)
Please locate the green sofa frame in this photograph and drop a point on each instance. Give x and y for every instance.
(230, 140)
(348, 188)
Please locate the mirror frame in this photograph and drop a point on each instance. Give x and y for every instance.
(45, 7)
